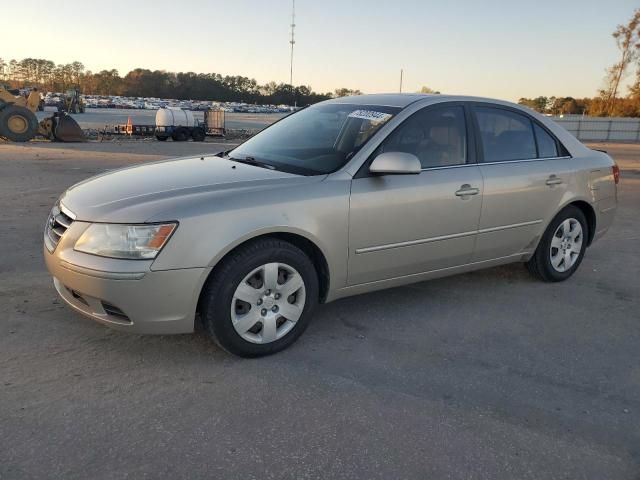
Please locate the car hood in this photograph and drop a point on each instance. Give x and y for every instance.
(143, 193)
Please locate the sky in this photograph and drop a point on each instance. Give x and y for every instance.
(496, 48)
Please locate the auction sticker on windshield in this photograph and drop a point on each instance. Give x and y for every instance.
(371, 115)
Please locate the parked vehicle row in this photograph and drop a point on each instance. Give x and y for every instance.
(96, 101)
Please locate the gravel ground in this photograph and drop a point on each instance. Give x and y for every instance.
(484, 375)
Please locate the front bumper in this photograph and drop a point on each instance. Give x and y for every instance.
(124, 294)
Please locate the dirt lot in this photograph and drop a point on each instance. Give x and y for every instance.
(484, 375)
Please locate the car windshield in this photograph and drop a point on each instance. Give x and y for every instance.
(317, 140)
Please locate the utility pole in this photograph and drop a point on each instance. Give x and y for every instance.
(401, 72)
(292, 42)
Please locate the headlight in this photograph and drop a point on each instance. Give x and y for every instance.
(138, 242)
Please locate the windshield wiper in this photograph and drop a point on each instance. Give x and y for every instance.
(223, 154)
(254, 162)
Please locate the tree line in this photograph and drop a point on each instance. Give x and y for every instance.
(609, 102)
(46, 75)
(628, 106)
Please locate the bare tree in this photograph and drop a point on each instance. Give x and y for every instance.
(628, 41)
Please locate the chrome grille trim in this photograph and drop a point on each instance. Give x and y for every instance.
(62, 219)
(66, 211)
(58, 231)
(59, 220)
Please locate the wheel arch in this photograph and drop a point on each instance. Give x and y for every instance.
(300, 240)
(586, 208)
(590, 214)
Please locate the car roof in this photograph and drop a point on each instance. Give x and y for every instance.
(388, 99)
(404, 99)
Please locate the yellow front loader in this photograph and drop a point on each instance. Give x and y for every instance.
(72, 101)
(18, 121)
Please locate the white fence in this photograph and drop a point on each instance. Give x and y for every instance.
(598, 129)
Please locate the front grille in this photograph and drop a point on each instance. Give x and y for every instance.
(57, 224)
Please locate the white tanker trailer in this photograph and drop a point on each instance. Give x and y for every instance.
(178, 124)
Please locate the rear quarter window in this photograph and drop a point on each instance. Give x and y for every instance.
(547, 146)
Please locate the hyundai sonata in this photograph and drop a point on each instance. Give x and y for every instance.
(344, 197)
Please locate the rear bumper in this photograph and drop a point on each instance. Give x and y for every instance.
(605, 213)
(146, 302)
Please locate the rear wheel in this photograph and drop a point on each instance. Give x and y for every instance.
(260, 299)
(161, 138)
(562, 247)
(198, 134)
(18, 124)
(181, 134)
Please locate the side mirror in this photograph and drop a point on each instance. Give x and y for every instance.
(396, 163)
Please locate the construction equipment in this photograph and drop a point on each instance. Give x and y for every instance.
(72, 102)
(19, 123)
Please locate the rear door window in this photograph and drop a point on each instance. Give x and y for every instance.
(505, 135)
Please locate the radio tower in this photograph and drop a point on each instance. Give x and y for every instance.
(292, 41)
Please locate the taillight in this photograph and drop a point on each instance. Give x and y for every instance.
(616, 173)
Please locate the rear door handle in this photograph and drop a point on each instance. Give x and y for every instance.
(553, 180)
(466, 190)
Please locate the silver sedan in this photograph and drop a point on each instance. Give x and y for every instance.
(345, 197)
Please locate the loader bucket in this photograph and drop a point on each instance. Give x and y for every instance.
(66, 129)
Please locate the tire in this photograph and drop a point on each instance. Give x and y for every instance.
(18, 124)
(198, 134)
(161, 138)
(181, 134)
(561, 235)
(224, 315)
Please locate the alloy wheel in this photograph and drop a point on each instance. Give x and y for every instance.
(267, 303)
(566, 245)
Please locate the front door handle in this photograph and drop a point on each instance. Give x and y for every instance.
(553, 180)
(466, 190)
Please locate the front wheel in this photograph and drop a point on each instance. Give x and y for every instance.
(18, 124)
(562, 247)
(260, 298)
